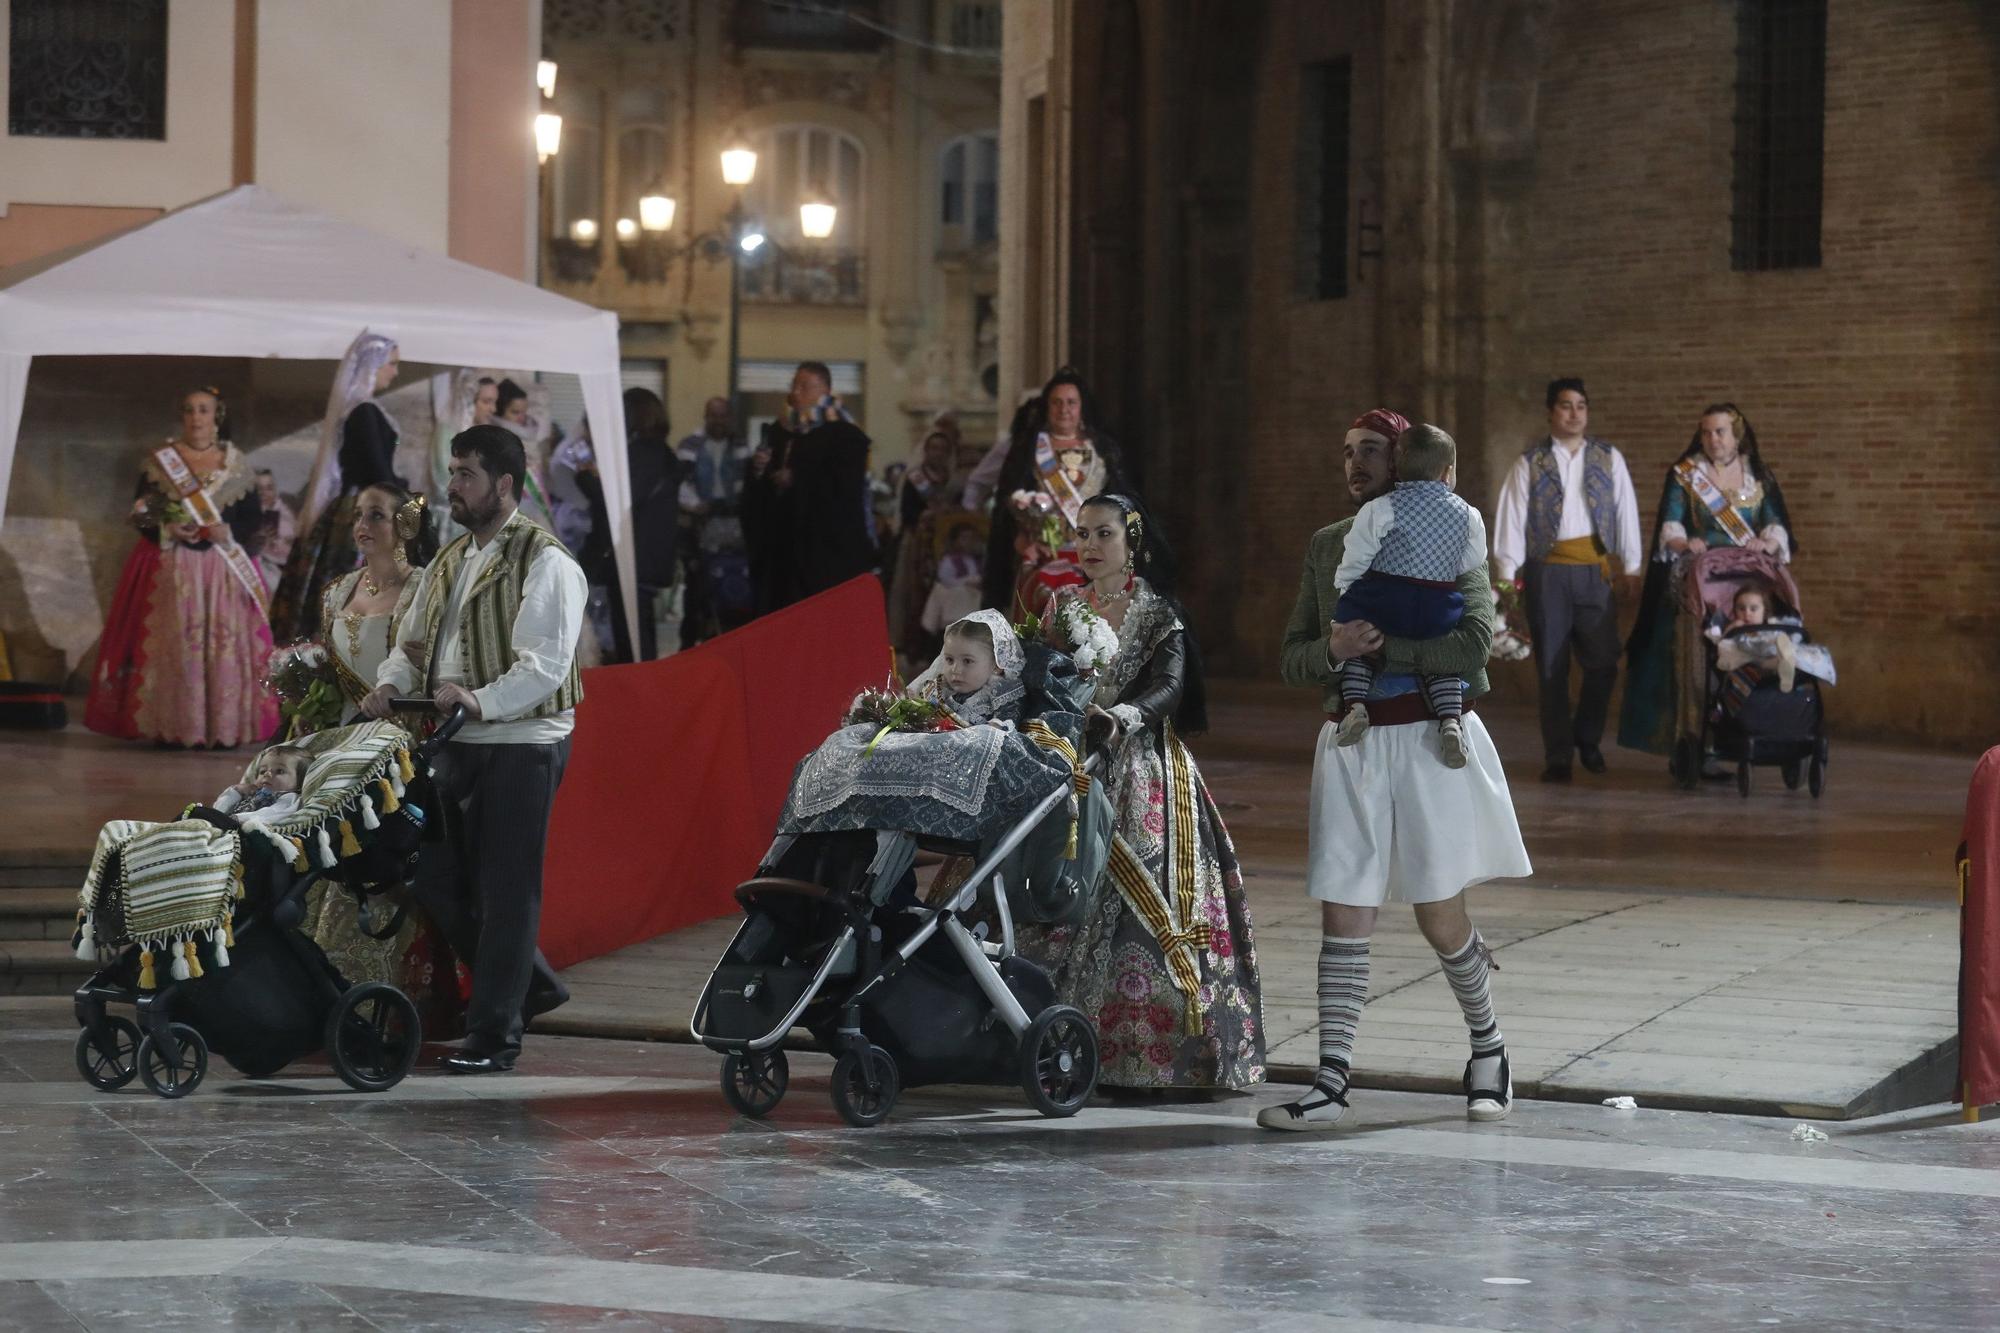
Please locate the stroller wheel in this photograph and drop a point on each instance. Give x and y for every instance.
(1791, 771)
(1816, 773)
(181, 1075)
(112, 1069)
(372, 1036)
(860, 1105)
(1059, 1061)
(1743, 777)
(754, 1082)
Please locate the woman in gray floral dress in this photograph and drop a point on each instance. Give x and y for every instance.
(1163, 961)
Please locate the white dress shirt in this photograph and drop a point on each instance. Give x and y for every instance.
(546, 630)
(1510, 516)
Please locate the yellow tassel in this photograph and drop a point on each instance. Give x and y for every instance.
(298, 854)
(1069, 852)
(228, 935)
(237, 875)
(389, 802)
(147, 981)
(348, 846)
(194, 960)
(1191, 1017)
(405, 767)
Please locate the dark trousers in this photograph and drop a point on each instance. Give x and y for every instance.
(482, 882)
(1570, 607)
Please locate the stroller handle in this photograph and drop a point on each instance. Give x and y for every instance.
(446, 729)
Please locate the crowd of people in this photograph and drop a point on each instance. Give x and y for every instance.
(486, 608)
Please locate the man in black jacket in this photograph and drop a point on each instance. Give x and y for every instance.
(807, 510)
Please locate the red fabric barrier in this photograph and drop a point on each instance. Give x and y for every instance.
(1979, 939)
(678, 768)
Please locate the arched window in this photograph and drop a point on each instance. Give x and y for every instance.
(643, 141)
(578, 179)
(969, 207)
(795, 162)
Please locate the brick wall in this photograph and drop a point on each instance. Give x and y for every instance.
(1873, 381)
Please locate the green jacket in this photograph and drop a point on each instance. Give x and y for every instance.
(1302, 659)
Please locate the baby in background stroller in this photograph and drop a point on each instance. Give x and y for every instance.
(194, 923)
(834, 939)
(1751, 672)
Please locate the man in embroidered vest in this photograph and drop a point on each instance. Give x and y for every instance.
(1567, 524)
(500, 611)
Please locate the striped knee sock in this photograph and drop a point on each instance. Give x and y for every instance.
(1471, 981)
(1445, 695)
(1343, 989)
(1357, 677)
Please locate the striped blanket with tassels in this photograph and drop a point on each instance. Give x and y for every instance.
(356, 774)
(164, 887)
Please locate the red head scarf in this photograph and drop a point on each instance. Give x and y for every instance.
(1381, 421)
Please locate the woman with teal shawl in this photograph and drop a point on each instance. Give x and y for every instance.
(1718, 493)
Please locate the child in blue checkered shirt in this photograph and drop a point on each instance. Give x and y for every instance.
(1399, 571)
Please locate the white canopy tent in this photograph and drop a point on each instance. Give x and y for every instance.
(248, 274)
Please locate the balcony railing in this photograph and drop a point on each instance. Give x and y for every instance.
(837, 277)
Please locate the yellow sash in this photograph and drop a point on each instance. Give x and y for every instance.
(1580, 551)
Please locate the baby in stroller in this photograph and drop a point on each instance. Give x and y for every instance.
(904, 992)
(194, 923)
(1753, 669)
(271, 791)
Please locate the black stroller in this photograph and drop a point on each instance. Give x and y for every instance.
(1772, 726)
(273, 997)
(902, 993)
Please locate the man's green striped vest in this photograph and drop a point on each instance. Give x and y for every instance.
(486, 620)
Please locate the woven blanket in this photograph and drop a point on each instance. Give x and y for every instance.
(356, 774)
(160, 886)
(962, 785)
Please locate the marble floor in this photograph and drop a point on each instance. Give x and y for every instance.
(605, 1185)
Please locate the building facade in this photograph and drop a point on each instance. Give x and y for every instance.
(413, 119)
(1249, 222)
(887, 108)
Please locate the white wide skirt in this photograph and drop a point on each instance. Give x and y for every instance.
(1390, 821)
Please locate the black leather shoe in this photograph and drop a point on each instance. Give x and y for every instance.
(479, 1062)
(1591, 758)
(1556, 773)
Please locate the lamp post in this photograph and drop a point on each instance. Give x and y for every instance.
(735, 239)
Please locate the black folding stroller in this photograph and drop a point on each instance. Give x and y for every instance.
(905, 993)
(271, 997)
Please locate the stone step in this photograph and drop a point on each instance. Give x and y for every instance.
(37, 914)
(53, 874)
(40, 967)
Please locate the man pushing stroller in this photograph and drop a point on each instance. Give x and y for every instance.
(500, 611)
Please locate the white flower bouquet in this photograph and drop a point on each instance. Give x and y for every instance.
(1090, 640)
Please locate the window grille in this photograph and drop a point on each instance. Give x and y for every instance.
(1780, 134)
(87, 69)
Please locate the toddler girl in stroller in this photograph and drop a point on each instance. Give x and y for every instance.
(1750, 672)
(194, 923)
(901, 992)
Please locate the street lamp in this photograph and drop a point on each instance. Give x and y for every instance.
(656, 212)
(548, 135)
(816, 218)
(739, 164)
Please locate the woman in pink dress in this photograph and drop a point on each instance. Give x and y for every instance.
(188, 640)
